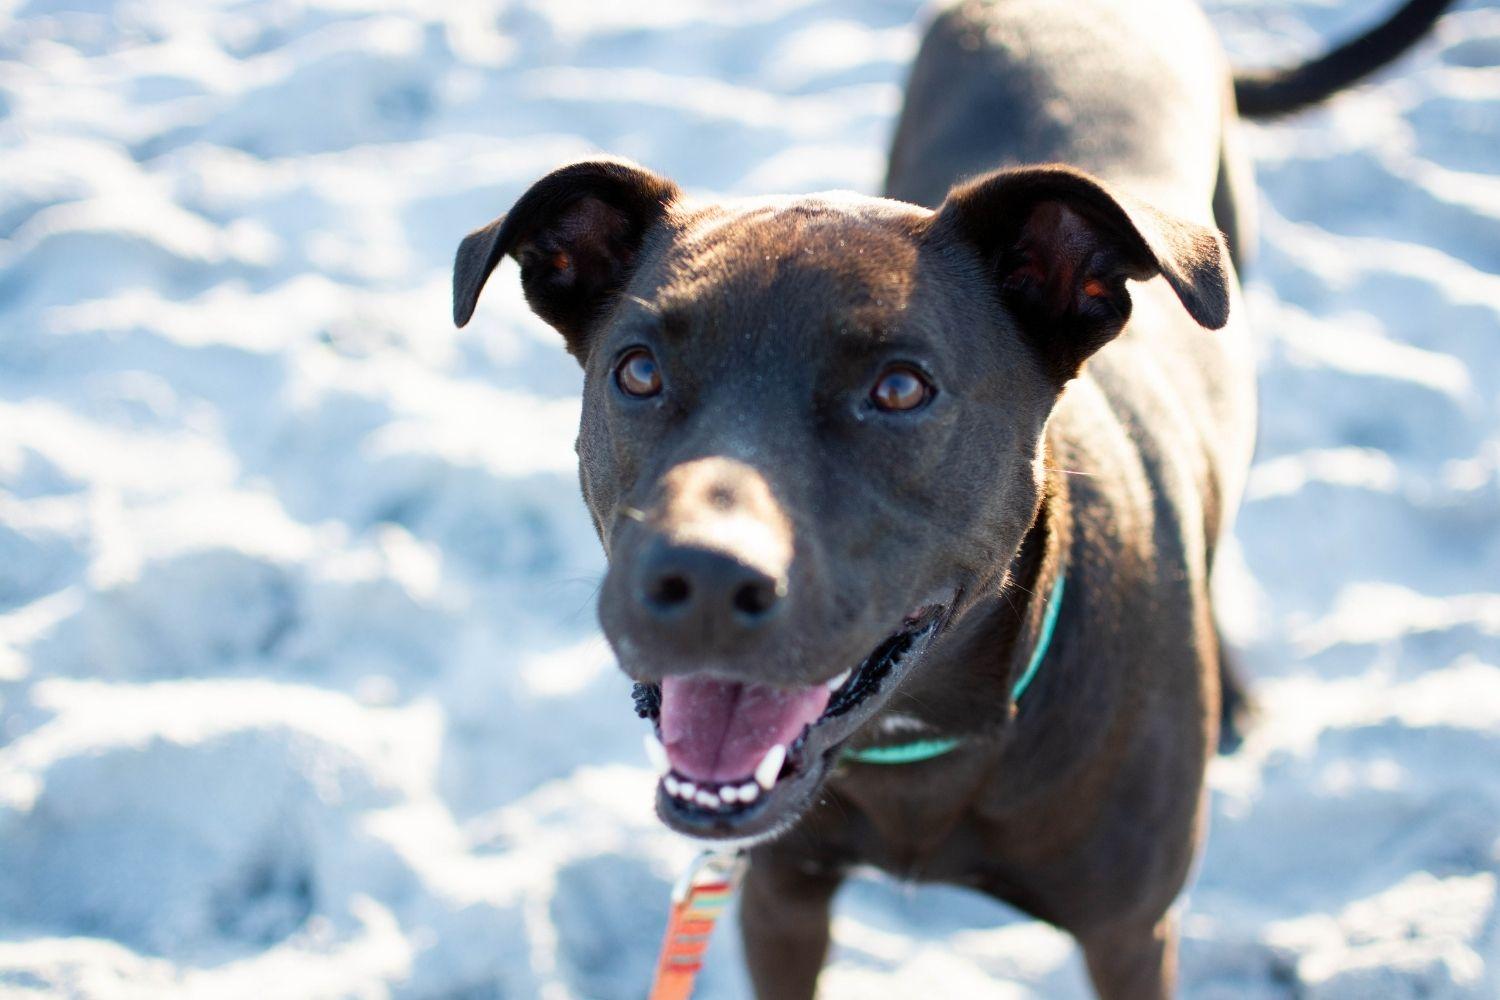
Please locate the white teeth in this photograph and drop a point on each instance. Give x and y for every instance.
(657, 754)
(727, 795)
(770, 766)
(840, 680)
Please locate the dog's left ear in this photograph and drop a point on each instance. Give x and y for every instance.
(1061, 246)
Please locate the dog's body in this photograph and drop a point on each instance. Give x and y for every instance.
(809, 420)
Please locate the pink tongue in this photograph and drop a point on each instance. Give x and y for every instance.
(720, 730)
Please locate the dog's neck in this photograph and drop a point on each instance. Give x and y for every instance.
(965, 693)
(1033, 588)
(966, 690)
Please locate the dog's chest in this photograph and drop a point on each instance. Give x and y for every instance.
(912, 821)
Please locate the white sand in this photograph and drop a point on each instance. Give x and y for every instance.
(300, 689)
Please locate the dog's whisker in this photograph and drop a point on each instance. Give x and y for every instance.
(646, 304)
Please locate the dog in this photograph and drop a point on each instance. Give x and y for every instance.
(911, 503)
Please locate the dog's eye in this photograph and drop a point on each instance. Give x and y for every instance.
(637, 374)
(901, 389)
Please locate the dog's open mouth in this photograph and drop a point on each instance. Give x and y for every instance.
(742, 759)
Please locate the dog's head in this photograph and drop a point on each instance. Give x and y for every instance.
(811, 432)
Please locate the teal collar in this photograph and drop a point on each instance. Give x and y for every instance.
(919, 750)
(903, 753)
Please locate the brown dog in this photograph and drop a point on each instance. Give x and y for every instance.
(852, 516)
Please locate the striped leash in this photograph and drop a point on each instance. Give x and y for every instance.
(698, 900)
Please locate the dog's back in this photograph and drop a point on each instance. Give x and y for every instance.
(1035, 81)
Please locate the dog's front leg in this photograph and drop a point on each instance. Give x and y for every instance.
(784, 909)
(1134, 961)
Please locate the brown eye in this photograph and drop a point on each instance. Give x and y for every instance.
(637, 374)
(900, 389)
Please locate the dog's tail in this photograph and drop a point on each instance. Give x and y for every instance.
(1267, 93)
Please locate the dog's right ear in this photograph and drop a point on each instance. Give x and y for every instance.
(576, 234)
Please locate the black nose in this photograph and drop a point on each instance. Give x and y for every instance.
(703, 590)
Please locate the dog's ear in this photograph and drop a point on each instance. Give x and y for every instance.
(575, 233)
(1061, 246)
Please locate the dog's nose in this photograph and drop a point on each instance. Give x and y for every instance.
(703, 590)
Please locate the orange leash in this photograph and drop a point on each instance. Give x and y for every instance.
(698, 900)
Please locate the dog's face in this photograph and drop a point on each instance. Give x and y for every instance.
(811, 434)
